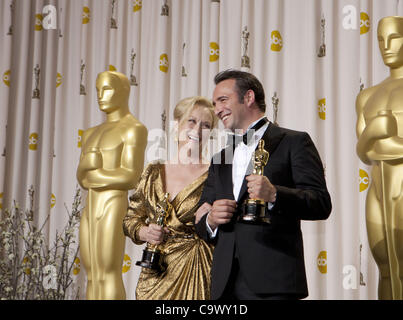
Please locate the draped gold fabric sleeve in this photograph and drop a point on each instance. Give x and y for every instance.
(188, 257)
(136, 216)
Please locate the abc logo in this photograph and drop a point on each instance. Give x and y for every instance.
(80, 136)
(7, 77)
(26, 262)
(364, 23)
(76, 266)
(214, 51)
(52, 200)
(33, 141)
(58, 80)
(38, 22)
(137, 4)
(322, 262)
(276, 41)
(364, 180)
(322, 108)
(86, 15)
(127, 262)
(164, 62)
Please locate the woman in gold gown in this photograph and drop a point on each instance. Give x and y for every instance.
(187, 257)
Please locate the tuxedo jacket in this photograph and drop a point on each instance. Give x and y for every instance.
(271, 257)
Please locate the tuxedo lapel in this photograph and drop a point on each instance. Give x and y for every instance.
(271, 137)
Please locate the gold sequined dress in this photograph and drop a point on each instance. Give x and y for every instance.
(188, 257)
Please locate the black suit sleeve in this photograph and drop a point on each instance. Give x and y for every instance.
(209, 196)
(309, 199)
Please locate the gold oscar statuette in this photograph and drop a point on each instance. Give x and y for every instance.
(114, 24)
(254, 210)
(165, 9)
(245, 61)
(184, 73)
(36, 94)
(153, 255)
(111, 162)
(322, 48)
(10, 29)
(380, 145)
(82, 87)
(275, 100)
(133, 80)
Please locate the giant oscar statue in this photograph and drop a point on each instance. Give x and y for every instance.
(111, 162)
(380, 144)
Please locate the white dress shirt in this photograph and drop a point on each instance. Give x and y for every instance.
(242, 164)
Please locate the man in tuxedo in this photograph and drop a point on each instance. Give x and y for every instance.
(259, 261)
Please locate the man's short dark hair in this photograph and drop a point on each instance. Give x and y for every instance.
(244, 81)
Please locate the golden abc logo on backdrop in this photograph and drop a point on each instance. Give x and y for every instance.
(80, 137)
(52, 200)
(7, 77)
(137, 5)
(322, 262)
(25, 263)
(214, 51)
(76, 266)
(59, 80)
(276, 41)
(364, 23)
(33, 141)
(363, 180)
(38, 22)
(127, 263)
(164, 63)
(322, 108)
(86, 15)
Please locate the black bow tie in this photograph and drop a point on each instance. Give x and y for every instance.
(247, 136)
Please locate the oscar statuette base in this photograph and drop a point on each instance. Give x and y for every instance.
(152, 260)
(254, 212)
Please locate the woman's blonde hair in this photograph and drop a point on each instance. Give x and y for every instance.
(185, 106)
